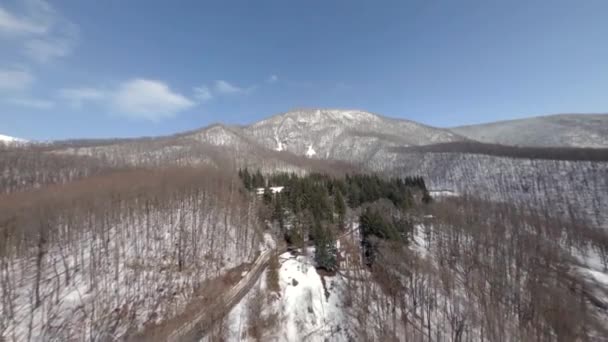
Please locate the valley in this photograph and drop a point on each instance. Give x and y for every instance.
(310, 225)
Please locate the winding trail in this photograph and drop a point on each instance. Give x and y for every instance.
(195, 328)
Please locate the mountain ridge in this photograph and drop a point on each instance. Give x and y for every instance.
(557, 130)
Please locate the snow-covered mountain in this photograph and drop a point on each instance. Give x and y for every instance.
(572, 130)
(5, 139)
(350, 135)
(313, 139)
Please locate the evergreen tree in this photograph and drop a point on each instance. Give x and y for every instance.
(258, 180)
(278, 213)
(267, 196)
(340, 208)
(426, 197)
(246, 177)
(326, 251)
(374, 226)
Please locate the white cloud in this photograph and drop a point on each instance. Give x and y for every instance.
(272, 79)
(45, 50)
(224, 87)
(41, 32)
(77, 96)
(15, 80)
(11, 24)
(31, 103)
(203, 94)
(137, 99)
(149, 100)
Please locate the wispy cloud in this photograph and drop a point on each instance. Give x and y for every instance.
(149, 99)
(139, 98)
(15, 79)
(42, 33)
(203, 94)
(77, 96)
(225, 87)
(47, 49)
(206, 93)
(30, 103)
(15, 25)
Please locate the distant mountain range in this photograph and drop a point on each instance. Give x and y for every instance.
(356, 135)
(570, 130)
(552, 169)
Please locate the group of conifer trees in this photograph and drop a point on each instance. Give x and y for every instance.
(312, 208)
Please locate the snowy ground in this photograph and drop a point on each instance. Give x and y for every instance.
(310, 315)
(357, 307)
(301, 310)
(443, 193)
(111, 282)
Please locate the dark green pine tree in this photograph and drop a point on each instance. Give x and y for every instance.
(374, 225)
(246, 177)
(426, 197)
(340, 208)
(267, 196)
(325, 250)
(278, 213)
(258, 180)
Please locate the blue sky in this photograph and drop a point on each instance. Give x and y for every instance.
(74, 68)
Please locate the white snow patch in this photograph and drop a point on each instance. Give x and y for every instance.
(269, 243)
(600, 277)
(443, 193)
(305, 313)
(280, 146)
(10, 140)
(310, 152)
(273, 189)
(309, 315)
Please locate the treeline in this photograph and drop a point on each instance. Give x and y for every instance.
(550, 153)
(31, 167)
(37, 165)
(312, 208)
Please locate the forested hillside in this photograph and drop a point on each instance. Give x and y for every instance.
(394, 265)
(564, 188)
(216, 234)
(100, 258)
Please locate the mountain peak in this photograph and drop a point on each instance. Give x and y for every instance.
(343, 134)
(314, 116)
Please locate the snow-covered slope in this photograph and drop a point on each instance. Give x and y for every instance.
(306, 306)
(573, 130)
(350, 135)
(5, 139)
(563, 187)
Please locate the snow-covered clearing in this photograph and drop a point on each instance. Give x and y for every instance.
(300, 311)
(309, 314)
